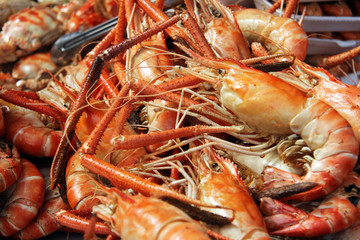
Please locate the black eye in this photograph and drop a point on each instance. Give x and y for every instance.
(220, 71)
(215, 167)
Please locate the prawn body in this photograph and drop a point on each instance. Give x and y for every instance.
(140, 217)
(220, 184)
(255, 96)
(272, 106)
(260, 26)
(38, 23)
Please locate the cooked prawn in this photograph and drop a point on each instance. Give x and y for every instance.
(277, 34)
(273, 107)
(23, 201)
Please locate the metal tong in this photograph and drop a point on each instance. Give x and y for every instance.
(65, 47)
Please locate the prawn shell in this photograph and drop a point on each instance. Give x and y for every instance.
(27, 31)
(26, 199)
(29, 134)
(255, 96)
(151, 218)
(32, 66)
(275, 32)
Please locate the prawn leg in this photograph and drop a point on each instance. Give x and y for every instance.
(73, 219)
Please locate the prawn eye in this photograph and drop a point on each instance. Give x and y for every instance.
(222, 72)
(215, 167)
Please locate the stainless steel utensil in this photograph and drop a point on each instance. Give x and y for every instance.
(65, 48)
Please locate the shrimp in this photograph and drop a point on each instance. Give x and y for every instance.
(90, 14)
(140, 217)
(64, 11)
(44, 223)
(342, 97)
(149, 61)
(278, 34)
(221, 185)
(339, 8)
(338, 211)
(79, 185)
(23, 201)
(221, 32)
(76, 175)
(28, 133)
(82, 191)
(273, 107)
(27, 31)
(32, 66)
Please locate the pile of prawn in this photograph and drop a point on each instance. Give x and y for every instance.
(190, 122)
